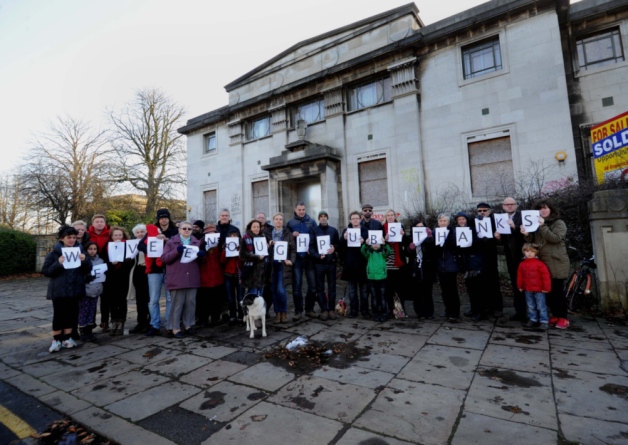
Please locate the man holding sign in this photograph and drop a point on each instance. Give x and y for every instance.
(354, 267)
(300, 225)
(323, 246)
(65, 288)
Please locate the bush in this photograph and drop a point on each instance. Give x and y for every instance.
(17, 252)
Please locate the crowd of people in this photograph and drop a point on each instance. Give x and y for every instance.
(205, 280)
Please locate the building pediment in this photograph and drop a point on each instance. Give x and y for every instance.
(325, 51)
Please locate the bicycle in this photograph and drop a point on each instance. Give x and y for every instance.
(578, 289)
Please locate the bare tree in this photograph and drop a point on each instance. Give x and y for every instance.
(67, 169)
(150, 151)
(14, 208)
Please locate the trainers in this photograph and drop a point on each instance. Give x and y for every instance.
(562, 323)
(544, 326)
(553, 321)
(68, 344)
(55, 346)
(324, 316)
(311, 314)
(297, 317)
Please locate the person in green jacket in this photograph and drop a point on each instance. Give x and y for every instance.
(376, 273)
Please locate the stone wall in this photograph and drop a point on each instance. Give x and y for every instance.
(609, 229)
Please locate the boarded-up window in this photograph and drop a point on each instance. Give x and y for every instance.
(492, 173)
(209, 202)
(260, 197)
(373, 182)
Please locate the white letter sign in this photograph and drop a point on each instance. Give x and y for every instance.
(419, 234)
(261, 246)
(376, 237)
(71, 255)
(353, 238)
(211, 240)
(232, 245)
(281, 250)
(323, 243)
(131, 248)
(530, 220)
(501, 223)
(98, 271)
(154, 247)
(115, 251)
(303, 242)
(394, 232)
(440, 235)
(464, 237)
(484, 228)
(189, 254)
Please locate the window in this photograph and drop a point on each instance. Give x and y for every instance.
(481, 58)
(210, 205)
(370, 94)
(258, 128)
(260, 197)
(310, 112)
(600, 49)
(209, 143)
(373, 182)
(490, 162)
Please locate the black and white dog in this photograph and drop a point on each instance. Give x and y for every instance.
(254, 308)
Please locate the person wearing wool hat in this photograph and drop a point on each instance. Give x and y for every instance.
(325, 265)
(197, 229)
(165, 224)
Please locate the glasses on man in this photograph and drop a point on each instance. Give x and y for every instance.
(186, 228)
(482, 210)
(367, 211)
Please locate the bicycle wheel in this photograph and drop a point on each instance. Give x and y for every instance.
(578, 293)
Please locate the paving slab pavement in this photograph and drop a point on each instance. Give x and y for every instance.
(414, 382)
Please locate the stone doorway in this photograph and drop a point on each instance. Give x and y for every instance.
(307, 190)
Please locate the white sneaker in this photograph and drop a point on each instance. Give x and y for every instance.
(69, 343)
(55, 346)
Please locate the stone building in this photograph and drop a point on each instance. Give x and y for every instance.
(398, 114)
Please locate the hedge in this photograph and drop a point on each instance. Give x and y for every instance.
(17, 252)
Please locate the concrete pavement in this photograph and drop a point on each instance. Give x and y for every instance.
(399, 382)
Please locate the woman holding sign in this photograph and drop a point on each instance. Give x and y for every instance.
(254, 254)
(550, 237)
(66, 266)
(396, 261)
(282, 256)
(354, 267)
(180, 256)
(118, 284)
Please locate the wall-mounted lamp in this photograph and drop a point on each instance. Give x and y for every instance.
(301, 126)
(560, 156)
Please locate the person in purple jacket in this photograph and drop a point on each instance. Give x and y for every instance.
(182, 279)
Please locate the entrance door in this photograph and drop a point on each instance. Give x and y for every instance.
(310, 193)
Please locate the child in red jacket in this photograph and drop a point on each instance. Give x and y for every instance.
(533, 278)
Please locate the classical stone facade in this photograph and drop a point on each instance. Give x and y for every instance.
(394, 113)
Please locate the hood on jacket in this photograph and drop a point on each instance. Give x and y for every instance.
(465, 216)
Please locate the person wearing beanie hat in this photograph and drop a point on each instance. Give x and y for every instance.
(321, 213)
(197, 229)
(165, 224)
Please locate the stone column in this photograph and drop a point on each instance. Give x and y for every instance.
(608, 214)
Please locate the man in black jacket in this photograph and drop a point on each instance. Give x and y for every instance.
(325, 265)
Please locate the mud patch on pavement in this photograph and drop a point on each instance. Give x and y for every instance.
(314, 354)
(256, 396)
(459, 361)
(302, 402)
(562, 374)
(509, 378)
(152, 352)
(515, 410)
(458, 339)
(615, 390)
(97, 368)
(214, 398)
(526, 339)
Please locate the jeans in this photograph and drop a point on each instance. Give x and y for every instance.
(378, 291)
(537, 310)
(301, 265)
(234, 294)
(155, 282)
(280, 300)
(259, 291)
(326, 270)
(356, 305)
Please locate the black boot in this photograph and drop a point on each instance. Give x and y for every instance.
(88, 331)
(84, 336)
